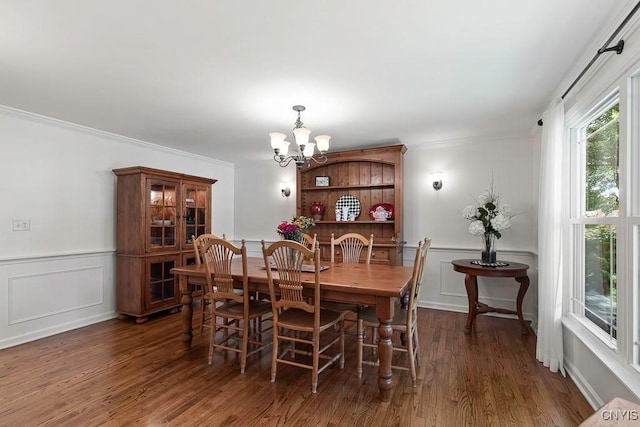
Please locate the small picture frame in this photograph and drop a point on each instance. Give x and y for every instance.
(322, 181)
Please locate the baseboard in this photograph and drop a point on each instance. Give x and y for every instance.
(47, 332)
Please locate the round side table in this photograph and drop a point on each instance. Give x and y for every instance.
(516, 270)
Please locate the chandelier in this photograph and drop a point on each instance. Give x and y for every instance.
(306, 150)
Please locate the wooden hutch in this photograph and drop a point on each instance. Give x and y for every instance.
(372, 176)
(157, 213)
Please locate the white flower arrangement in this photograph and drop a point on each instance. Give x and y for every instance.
(489, 216)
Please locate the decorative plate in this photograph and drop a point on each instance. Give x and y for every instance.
(386, 206)
(490, 264)
(351, 202)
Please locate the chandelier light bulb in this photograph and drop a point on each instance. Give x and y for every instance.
(322, 142)
(308, 149)
(284, 148)
(302, 135)
(277, 140)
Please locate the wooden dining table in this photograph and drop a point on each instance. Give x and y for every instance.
(376, 285)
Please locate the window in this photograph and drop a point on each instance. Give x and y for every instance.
(595, 219)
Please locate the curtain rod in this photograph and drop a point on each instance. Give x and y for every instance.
(605, 48)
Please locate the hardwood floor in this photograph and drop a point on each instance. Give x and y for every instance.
(117, 373)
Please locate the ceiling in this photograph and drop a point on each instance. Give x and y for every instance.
(215, 77)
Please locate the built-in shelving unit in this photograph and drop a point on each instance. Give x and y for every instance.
(372, 176)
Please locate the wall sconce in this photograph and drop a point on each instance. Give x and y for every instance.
(436, 178)
(284, 188)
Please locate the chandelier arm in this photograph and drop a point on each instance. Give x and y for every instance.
(283, 162)
(319, 160)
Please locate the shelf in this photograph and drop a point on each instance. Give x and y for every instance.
(389, 221)
(348, 187)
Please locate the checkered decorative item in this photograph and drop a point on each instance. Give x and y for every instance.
(351, 202)
(490, 264)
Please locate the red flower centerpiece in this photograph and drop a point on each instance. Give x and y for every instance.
(294, 229)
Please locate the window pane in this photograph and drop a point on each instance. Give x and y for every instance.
(600, 276)
(602, 166)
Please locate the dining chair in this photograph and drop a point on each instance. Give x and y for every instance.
(308, 241)
(404, 321)
(235, 310)
(350, 246)
(205, 313)
(297, 316)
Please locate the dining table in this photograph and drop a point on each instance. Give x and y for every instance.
(379, 285)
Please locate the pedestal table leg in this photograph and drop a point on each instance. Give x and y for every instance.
(471, 283)
(524, 285)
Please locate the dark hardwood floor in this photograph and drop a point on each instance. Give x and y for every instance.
(117, 373)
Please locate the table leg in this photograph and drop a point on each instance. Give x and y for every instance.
(385, 376)
(524, 285)
(471, 283)
(187, 312)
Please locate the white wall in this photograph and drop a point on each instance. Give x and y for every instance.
(60, 274)
(467, 167)
(259, 205)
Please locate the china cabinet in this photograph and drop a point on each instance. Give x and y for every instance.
(157, 213)
(350, 186)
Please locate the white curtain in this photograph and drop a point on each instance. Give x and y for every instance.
(549, 348)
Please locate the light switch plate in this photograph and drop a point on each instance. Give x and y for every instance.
(21, 224)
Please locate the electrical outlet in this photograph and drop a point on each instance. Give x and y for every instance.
(21, 224)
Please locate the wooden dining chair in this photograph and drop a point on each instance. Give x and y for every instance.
(235, 310)
(350, 247)
(404, 321)
(205, 312)
(297, 316)
(308, 241)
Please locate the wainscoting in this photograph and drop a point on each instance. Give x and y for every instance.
(50, 294)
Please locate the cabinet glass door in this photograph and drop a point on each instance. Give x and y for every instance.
(162, 285)
(162, 215)
(196, 212)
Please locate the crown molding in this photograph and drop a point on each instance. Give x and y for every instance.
(10, 111)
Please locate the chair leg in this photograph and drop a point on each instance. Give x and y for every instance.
(417, 346)
(314, 371)
(203, 312)
(245, 342)
(412, 362)
(212, 337)
(360, 347)
(274, 353)
(341, 344)
(374, 340)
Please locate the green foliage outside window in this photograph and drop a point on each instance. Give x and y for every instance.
(602, 184)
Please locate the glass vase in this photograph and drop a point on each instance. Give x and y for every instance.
(488, 247)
